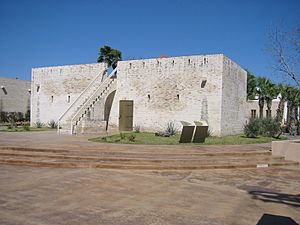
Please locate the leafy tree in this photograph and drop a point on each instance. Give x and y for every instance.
(110, 56)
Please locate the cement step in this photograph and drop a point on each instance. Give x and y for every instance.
(135, 160)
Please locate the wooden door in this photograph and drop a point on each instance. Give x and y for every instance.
(126, 115)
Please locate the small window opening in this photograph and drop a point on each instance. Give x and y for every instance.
(4, 90)
(173, 63)
(143, 64)
(69, 98)
(38, 88)
(268, 113)
(129, 65)
(52, 99)
(177, 96)
(203, 83)
(148, 97)
(253, 113)
(189, 61)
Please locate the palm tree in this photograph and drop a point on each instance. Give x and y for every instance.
(263, 86)
(293, 101)
(110, 56)
(271, 93)
(251, 85)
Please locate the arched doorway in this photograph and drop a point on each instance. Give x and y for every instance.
(107, 107)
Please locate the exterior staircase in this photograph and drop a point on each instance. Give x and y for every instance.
(98, 89)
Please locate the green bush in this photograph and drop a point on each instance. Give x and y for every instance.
(39, 124)
(171, 129)
(26, 127)
(122, 136)
(268, 127)
(52, 124)
(252, 128)
(131, 138)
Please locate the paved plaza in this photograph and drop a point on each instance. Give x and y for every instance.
(42, 195)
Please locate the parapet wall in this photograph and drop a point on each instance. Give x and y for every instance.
(54, 89)
(174, 89)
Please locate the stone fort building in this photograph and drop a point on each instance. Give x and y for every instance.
(14, 95)
(148, 93)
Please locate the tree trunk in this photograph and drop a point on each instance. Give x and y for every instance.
(280, 111)
(261, 103)
(292, 126)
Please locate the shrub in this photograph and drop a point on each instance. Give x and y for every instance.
(270, 128)
(52, 124)
(26, 127)
(137, 128)
(39, 124)
(266, 127)
(252, 129)
(171, 129)
(131, 138)
(122, 136)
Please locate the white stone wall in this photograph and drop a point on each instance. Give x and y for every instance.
(153, 85)
(56, 84)
(253, 105)
(14, 95)
(234, 89)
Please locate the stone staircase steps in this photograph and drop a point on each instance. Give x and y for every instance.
(134, 160)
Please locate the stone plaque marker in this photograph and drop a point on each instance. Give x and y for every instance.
(187, 132)
(200, 132)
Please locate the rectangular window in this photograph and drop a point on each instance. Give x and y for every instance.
(69, 98)
(52, 99)
(253, 113)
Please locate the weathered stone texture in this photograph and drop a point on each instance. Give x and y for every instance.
(54, 89)
(180, 88)
(14, 95)
(234, 89)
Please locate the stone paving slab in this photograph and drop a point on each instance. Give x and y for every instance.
(45, 196)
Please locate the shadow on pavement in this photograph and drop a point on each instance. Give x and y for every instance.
(268, 219)
(281, 198)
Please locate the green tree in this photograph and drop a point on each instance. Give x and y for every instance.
(271, 93)
(110, 56)
(263, 89)
(293, 102)
(251, 86)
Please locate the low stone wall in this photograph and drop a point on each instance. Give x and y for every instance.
(289, 149)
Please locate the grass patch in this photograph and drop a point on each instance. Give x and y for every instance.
(150, 139)
(24, 129)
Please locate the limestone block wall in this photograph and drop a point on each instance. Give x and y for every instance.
(54, 89)
(171, 89)
(234, 89)
(14, 95)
